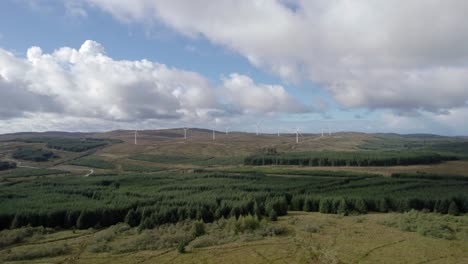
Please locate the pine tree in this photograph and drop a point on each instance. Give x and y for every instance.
(309, 205)
(15, 223)
(342, 207)
(132, 218)
(258, 210)
(442, 206)
(325, 206)
(382, 205)
(360, 206)
(273, 216)
(453, 209)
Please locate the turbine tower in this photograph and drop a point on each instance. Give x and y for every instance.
(185, 133)
(136, 133)
(214, 134)
(329, 131)
(257, 127)
(227, 130)
(278, 133)
(322, 132)
(297, 135)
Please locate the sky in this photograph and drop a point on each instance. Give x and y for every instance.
(369, 65)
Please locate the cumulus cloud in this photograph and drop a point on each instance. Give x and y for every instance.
(248, 97)
(75, 9)
(87, 83)
(403, 55)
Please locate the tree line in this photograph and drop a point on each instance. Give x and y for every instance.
(361, 159)
(148, 217)
(6, 165)
(33, 154)
(145, 216)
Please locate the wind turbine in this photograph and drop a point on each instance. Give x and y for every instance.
(185, 133)
(297, 135)
(227, 130)
(257, 126)
(329, 131)
(322, 132)
(214, 134)
(136, 134)
(278, 132)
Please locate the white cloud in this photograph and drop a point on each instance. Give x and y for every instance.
(86, 83)
(449, 123)
(75, 9)
(248, 97)
(404, 55)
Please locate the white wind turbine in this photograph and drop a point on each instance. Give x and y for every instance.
(185, 133)
(214, 134)
(298, 132)
(136, 134)
(257, 127)
(227, 130)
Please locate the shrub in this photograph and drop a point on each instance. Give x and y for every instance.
(274, 230)
(249, 223)
(181, 247)
(311, 228)
(37, 251)
(198, 228)
(429, 224)
(205, 241)
(436, 230)
(13, 236)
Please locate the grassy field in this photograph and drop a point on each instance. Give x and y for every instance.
(93, 162)
(302, 238)
(30, 172)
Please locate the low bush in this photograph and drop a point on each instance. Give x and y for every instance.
(94, 163)
(181, 247)
(274, 230)
(37, 251)
(13, 236)
(164, 236)
(311, 228)
(205, 241)
(430, 224)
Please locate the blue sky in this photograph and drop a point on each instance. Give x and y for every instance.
(288, 75)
